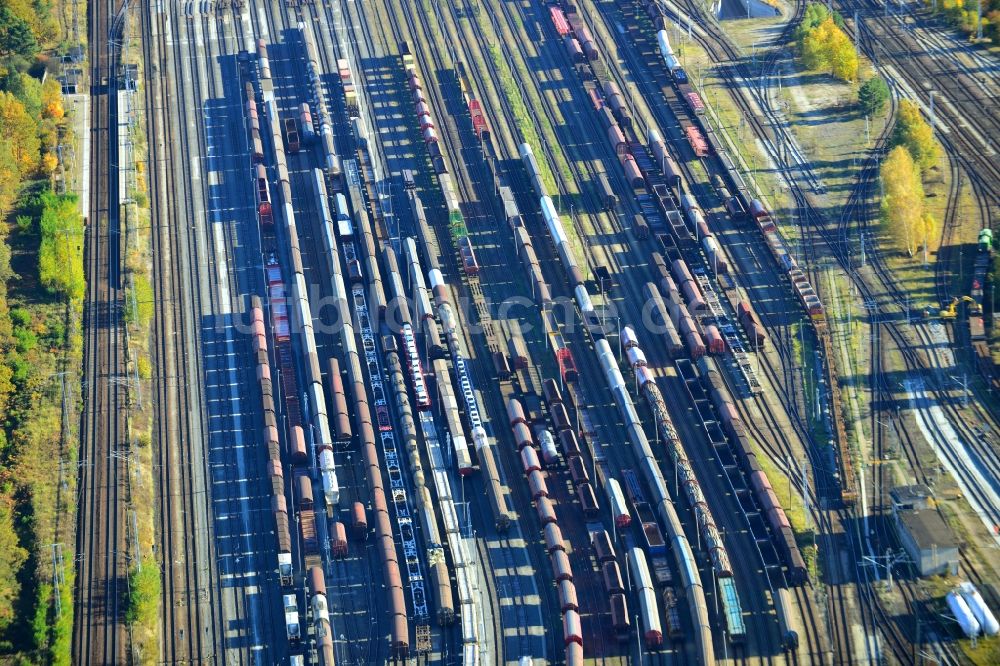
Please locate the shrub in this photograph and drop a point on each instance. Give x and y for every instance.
(20, 317)
(24, 340)
(144, 593)
(144, 367)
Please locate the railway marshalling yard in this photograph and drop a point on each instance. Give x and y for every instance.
(483, 336)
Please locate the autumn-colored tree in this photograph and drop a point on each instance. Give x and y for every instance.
(815, 54)
(903, 200)
(926, 230)
(826, 48)
(51, 99)
(10, 176)
(914, 133)
(21, 133)
(38, 16)
(843, 56)
(49, 163)
(814, 14)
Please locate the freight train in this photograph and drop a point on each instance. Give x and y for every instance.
(485, 450)
(425, 505)
(322, 441)
(298, 312)
(762, 490)
(743, 206)
(643, 586)
(279, 507)
(446, 393)
(469, 594)
(691, 579)
(685, 472)
(555, 545)
(314, 69)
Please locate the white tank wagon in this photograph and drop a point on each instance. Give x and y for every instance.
(987, 620)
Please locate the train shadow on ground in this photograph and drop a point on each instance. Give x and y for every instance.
(244, 543)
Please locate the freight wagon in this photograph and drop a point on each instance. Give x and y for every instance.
(264, 212)
(292, 135)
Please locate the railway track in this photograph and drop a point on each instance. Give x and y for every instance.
(829, 523)
(784, 348)
(361, 57)
(910, 48)
(188, 624)
(967, 161)
(814, 220)
(358, 615)
(491, 254)
(772, 436)
(892, 301)
(477, 213)
(606, 224)
(905, 643)
(866, 180)
(99, 634)
(199, 608)
(547, 256)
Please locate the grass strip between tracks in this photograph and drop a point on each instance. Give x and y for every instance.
(144, 584)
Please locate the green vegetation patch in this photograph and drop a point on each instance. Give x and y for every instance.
(143, 594)
(521, 117)
(60, 253)
(139, 301)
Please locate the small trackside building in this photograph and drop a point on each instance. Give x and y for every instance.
(910, 498)
(928, 541)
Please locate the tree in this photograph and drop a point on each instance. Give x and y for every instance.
(12, 557)
(843, 57)
(813, 16)
(10, 176)
(873, 96)
(51, 99)
(21, 133)
(826, 48)
(914, 133)
(30, 94)
(49, 163)
(16, 36)
(814, 52)
(926, 229)
(903, 200)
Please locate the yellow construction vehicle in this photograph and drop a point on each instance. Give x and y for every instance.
(949, 313)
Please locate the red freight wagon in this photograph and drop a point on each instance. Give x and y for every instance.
(595, 98)
(697, 141)
(469, 263)
(694, 101)
(478, 119)
(339, 540)
(715, 342)
(559, 21)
